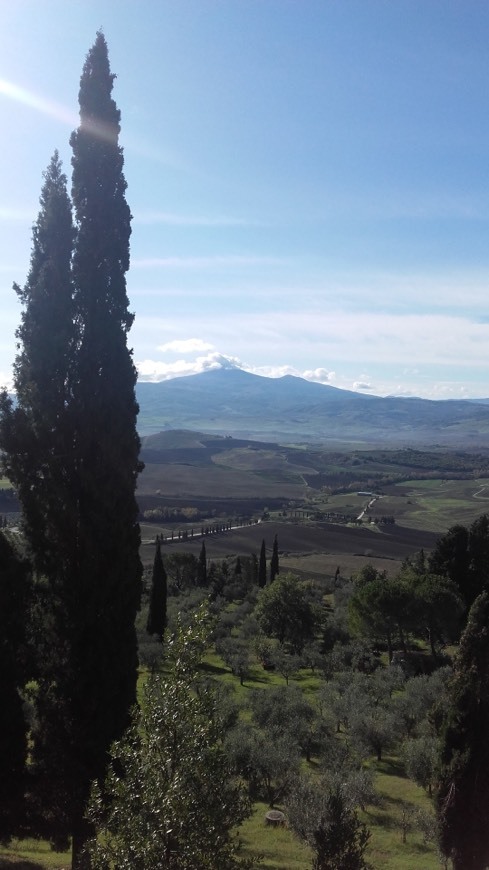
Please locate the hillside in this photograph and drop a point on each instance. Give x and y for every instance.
(231, 401)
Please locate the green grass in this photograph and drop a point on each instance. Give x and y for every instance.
(278, 846)
(435, 505)
(281, 850)
(386, 848)
(258, 678)
(33, 854)
(317, 566)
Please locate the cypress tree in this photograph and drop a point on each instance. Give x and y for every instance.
(14, 600)
(37, 442)
(202, 567)
(35, 436)
(262, 566)
(274, 566)
(156, 623)
(75, 462)
(107, 577)
(462, 799)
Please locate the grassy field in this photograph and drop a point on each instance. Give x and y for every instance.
(33, 855)
(279, 848)
(438, 504)
(386, 849)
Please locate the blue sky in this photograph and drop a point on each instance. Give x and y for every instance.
(309, 181)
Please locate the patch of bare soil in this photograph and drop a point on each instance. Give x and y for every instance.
(395, 542)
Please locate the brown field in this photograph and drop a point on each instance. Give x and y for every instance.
(181, 480)
(321, 547)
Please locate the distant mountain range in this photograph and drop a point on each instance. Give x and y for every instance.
(235, 402)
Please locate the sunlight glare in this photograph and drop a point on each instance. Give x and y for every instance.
(40, 104)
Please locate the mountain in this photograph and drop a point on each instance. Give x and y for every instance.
(232, 401)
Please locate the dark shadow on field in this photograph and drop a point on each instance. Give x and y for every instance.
(383, 820)
(420, 848)
(207, 668)
(248, 684)
(390, 767)
(19, 864)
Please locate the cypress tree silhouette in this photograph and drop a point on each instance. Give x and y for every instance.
(274, 566)
(156, 623)
(262, 566)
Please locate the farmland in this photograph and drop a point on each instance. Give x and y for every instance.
(310, 497)
(332, 513)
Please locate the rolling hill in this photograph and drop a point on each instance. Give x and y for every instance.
(232, 401)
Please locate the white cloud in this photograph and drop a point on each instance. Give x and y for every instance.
(278, 371)
(155, 370)
(321, 376)
(361, 387)
(187, 345)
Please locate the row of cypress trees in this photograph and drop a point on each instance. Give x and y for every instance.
(70, 448)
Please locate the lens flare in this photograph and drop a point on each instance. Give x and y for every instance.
(34, 101)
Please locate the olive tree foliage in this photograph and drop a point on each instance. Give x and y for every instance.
(236, 654)
(414, 705)
(421, 755)
(284, 611)
(285, 711)
(321, 813)
(268, 762)
(172, 799)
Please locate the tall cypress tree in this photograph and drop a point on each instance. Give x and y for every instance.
(463, 793)
(35, 435)
(76, 463)
(202, 567)
(274, 566)
(14, 599)
(156, 623)
(262, 566)
(104, 594)
(36, 439)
